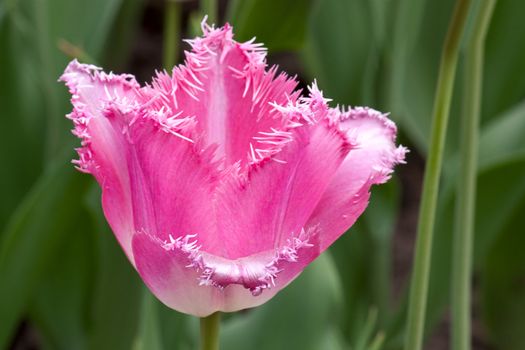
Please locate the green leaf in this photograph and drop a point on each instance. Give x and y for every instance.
(148, 335)
(33, 103)
(362, 256)
(18, 125)
(117, 289)
(178, 330)
(503, 285)
(504, 68)
(502, 138)
(338, 48)
(59, 309)
(413, 88)
(403, 36)
(122, 35)
(32, 238)
(280, 25)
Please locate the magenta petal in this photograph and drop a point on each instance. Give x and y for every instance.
(201, 284)
(166, 275)
(271, 204)
(370, 162)
(172, 183)
(225, 85)
(103, 104)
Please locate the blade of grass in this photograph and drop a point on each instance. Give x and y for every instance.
(466, 190)
(427, 213)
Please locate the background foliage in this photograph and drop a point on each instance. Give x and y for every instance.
(65, 284)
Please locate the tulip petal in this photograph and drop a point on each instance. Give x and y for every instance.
(172, 182)
(168, 274)
(370, 162)
(271, 203)
(103, 104)
(225, 85)
(194, 282)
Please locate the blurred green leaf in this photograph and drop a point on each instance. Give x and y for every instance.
(178, 330)
(33, 124)
(32, 238)
(380, 218)
(122, 34)
(503, 285)
(504, 68)
(338, 47)
(366, 333)
(33, 103)
(117, 289)
(148, 336)
(405, 31)
(502, 139)
(500, 190)
(20, 101)
(304, 315)
(362, 256)
(60, 307)
(280, 25)
(414, 87)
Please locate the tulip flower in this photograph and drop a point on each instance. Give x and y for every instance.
(220, 181)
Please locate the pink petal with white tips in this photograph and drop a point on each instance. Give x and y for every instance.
(226, 86)
(103, 105)
(370, 162)
(173, 183)
(197, 283)
(272, 202)
(219, 181)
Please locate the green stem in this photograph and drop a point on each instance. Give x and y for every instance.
(209, 7)
(466, 191)
(171, 31)
(210, 332)
(427, 212)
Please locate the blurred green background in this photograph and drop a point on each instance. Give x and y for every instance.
(64, 282)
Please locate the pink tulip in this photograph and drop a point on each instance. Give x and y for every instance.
(220, 182)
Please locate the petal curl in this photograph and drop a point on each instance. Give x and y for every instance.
(263, 209)
(197, 283)
(102, 106)
(168, 276)
(226, 86)
(370, 162)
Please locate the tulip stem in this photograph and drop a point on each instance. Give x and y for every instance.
(210, 332)
(466, 191)
(427, 212)
(171, 31)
